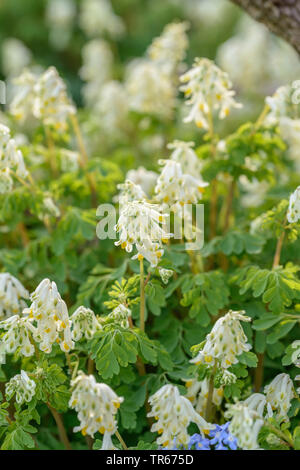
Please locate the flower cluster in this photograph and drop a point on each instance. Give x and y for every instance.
(139, 224)
(60, 17)
(18, 330)
(97, 17)
(44, 97)
(22, 386)
(173, 414)
(12, 295)
(168, 50)
(244, 425)
(15, 57)
(144, 178)
(50, 313)
(120, 316)
(96, 405)
(225, 342)
(207, 89)
(279, 394)
(84, 323)
(11, 158)
(220, 439)
(112, 106)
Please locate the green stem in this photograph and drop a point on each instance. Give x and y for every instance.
(209, 403)
(121, 440)
(142, 296)
(281, 435)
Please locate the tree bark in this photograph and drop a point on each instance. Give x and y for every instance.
(282, 17)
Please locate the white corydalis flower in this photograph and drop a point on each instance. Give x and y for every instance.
(183, 153)
(120, 315)
(50, 313)
(22, 386)
(11, 159)
(208, 90)
(165, 274)
(69, 160)
(18, 330)
(97, 17)
(12, 293)
(197, 393)
(24, 95)
(169, 49)
(150, 89)
(173, 414)
(129, 192)
(113, 107)
(60, 16)
(141, 225)
(279, 394)
(296, 353)
(225, 342)
(293, 214)
(144, 178)
(258, 403)
(84, 324)
(96, 405)
(245, 425)
(175, 188)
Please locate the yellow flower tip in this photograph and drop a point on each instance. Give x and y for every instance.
(83, 431)
(159, 254)
(140, 257)
(39, 317)
(57, 340)
(102, 430)
(156, 417)
(74, 402)
(63, 324)
(191, 398)
(117, 404)
(226, 111)
(166, 443)
(161, 219)
(206, 431)
(160, 431)
(99, 419)
(189, 383)
(166, 198)
(55, 317)
(164, 240)
(47, 330)
(208, 358)
(66, 347)
(201, 189)
(123, 245)
(228, 362)
(199, 124)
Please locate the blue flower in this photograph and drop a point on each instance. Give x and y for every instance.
(222, 439)
(199, 442)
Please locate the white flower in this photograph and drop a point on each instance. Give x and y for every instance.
(293, 214)
(50, 313)
(22, 386)
(145, 178)
(84, 323)
(97, 17)
(150, 89)
(129, 192)
(245, 425)
(15, 56)
(139, 225)
(23, 96)
(11, 158)
(225, 342)
(49, 207)
(279, 394)
(69, 160)
(207, 89)
(258, 402)
(60, 16)
(290, 131)
(169, 49)
(173, 414)
(12, 293)
(51, 103)
(184, 154)
(298, 378)
(165, 274)
(255, 191)
(197, 393)
(113, 107)
(17, 335)
(120, 315)
(175, 188)
(96, 405)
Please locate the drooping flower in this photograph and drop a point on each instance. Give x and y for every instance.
(129, 192)
(84, 323)
(183, 153)
(97, 17)
(225, 342)
(296, 353)
(279, 393)
(120, 316)
(207, 89)
(293, 214)
(165, 274)
(258, 402)
(173, 414)
(197, 393)
(139, 225)
(245, 425)
(96, 405)
(18, 330)
(169, 49)
(113, 107)
(24, 96)
(50, 313)
(144, 178)
(11, 158)
(22, 386)
(12, 295)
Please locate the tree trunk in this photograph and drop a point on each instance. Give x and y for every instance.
(282, 17)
